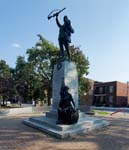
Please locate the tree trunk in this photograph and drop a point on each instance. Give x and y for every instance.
(3, 101)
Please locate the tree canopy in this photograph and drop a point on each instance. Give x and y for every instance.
(4, 69)
(33, 77)
(6, 81)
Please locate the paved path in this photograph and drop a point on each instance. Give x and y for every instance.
(16, 136)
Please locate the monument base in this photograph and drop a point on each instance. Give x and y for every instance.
(65, 73)
(84, 125)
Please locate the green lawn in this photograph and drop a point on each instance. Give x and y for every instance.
(100, 112)
(8, 107)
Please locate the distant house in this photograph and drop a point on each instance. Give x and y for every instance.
(111, 94)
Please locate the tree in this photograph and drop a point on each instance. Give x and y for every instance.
(6, 82)
(24, 78)
(4, 69)
(82, 67)
(32, 79)
(20, 76)
(43, 57)
(84, 86)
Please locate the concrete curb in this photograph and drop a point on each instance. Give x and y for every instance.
(111, 109)
(26, 110)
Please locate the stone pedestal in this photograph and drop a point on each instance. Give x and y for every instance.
(65, 72)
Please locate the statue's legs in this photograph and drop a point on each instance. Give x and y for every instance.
(64, 43)
(61, 47)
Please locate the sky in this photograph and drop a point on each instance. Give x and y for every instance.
(101, 30)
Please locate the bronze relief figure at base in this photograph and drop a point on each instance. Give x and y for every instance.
(67, 113)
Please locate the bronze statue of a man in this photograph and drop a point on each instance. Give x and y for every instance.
(64, 38)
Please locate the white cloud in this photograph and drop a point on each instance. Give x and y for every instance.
(16, 45)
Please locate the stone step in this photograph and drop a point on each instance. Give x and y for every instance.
(52, 123)
(52, 114)
(67, 130)
(43, 128)
(45, 121)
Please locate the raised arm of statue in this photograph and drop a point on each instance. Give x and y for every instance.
(57, 21)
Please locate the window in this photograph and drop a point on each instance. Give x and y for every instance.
(96, 90)
(111, 88)
(101, 99)
(111, 99)
(100, 90)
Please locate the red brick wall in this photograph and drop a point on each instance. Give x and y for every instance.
(121, 94)
(86, 100)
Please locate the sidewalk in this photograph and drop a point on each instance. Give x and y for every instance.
(27, 109)
(14, 135)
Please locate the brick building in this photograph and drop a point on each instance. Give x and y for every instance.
(111, 94)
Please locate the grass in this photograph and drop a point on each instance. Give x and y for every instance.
(8, 107)
(101, 112)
